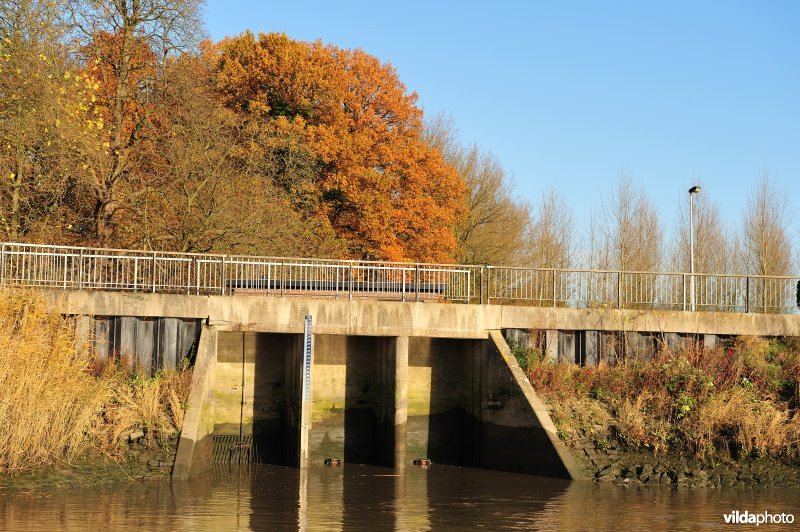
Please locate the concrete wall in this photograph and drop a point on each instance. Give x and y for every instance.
(516, 433)
(194, 454)
(441, 399)
(354, 408)
(396, 381)
(467, 406)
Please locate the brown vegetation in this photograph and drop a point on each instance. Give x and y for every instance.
(55, 403)
(735, 401)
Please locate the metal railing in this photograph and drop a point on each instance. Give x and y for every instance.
(643, 290)
(65, 267)
(78, 268)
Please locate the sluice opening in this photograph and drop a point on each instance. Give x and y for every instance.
(257, 398)
(443, 400)
(353, 387)
(234, 449)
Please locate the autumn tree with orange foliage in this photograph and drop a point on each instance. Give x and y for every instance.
(212, 186)
(383, 189)
(119, 129)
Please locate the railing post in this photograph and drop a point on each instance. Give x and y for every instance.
(554, 287)
(350, 281)
(283, 275)
(684, 291)
(416, 282)
(66, 258)
(80, 269)
(403, 284)
(222, 279)
(135, 273)
(189, 276)
(154, 272)
(747, 294)
(336, 282)
(2, 263)
(619, 289)
(480, 280)
(488, 284)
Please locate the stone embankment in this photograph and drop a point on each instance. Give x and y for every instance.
(137, 460)
(609, 461)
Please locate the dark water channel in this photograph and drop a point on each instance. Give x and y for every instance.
(355, 497)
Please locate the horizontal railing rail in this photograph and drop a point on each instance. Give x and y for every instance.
(84, 268)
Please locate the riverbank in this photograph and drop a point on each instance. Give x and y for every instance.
(695, 417)
(135, 462)
(614, 462)
(68, 418)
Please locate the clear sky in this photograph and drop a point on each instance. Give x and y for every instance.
(571, 94)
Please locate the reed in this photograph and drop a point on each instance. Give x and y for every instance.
(49, 400)
(154, 406)
(57, 402)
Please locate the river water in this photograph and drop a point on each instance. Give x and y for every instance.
(353, 497)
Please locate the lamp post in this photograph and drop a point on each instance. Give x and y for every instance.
(692, 191)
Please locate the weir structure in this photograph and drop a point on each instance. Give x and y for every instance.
(301, 360)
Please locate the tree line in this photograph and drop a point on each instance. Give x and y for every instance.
(120, 126)
(624, 233)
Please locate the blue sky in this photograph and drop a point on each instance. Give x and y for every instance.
(570, 94)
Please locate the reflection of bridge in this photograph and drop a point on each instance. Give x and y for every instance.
(209, 274)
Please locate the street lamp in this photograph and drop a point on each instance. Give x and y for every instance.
(692, 191)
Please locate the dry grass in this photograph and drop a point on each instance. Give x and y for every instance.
(754, 424)
(579, 419)
(49, 401)
(55, 402)
(153, 405)
(740, 399)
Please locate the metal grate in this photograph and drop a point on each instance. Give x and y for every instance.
(234, 449)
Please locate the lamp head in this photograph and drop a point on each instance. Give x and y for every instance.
(694, 190)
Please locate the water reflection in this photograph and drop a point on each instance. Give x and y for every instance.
(355, 497)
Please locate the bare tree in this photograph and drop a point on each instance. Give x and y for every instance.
(631, 229)
(549, 246)
(766, 246)
(631, 241)
(494, 230)
(551, 235)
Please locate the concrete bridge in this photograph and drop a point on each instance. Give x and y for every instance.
(390, 381)
(427, 375)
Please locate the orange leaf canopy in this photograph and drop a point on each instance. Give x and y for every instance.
(386, 193)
